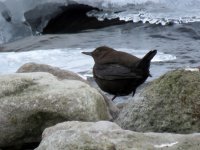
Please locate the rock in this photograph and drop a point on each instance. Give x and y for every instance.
(168, 104)
(30, 102)
(105, 135)
(121, 105)
(65, 74)
(60, 73)
(113, 109)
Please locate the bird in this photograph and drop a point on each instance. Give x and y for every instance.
(119, 73)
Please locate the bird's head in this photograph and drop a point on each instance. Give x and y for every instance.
(99, 53)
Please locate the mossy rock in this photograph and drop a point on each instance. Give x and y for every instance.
(168, 104)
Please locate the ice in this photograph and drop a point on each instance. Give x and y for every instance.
(165, 7)
(21, 18)
(152, 11)
(18, 27)
(10, 27)
(38, 20)
(5, 13)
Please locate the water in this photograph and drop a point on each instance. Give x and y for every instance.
(66, 58)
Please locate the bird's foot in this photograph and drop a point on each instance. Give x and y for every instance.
(133, 93)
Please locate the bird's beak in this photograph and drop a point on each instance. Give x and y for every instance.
(87, 53)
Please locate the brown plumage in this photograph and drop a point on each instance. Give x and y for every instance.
(119, 73)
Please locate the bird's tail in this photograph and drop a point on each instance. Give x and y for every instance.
(145, 61)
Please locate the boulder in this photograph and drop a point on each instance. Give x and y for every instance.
(66, 74)
(105, 135)
(59, 73)
(31, 102)
(168, 104)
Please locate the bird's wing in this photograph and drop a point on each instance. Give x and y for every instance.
(114, 71)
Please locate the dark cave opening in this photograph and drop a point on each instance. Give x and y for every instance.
(74, 19)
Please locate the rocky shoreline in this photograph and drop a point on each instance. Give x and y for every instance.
(54, 109)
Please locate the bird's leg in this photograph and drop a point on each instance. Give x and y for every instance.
(114, 97)
(133, 93)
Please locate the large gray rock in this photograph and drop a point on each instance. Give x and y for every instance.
(105, 135)
(168, 104)
(30, 102)
(65, 74)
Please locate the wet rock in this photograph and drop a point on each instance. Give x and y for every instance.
(168, 104)
(105, 135)
(31, 102)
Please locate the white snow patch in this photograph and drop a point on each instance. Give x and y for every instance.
(192, 69)
(165, 145)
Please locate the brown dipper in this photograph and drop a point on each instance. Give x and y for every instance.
(119, 73)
